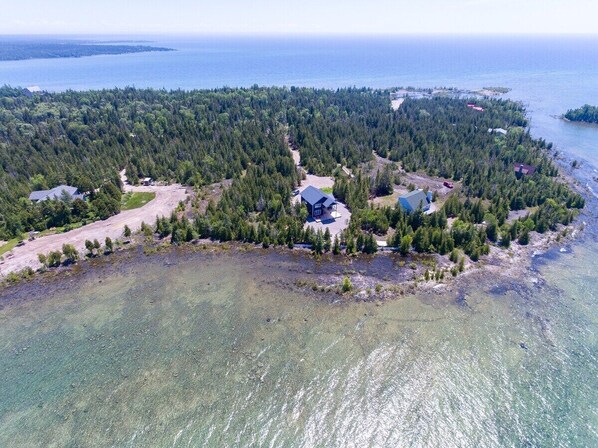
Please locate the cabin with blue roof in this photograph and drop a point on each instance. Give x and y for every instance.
(415, 200)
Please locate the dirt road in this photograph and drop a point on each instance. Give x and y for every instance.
(166, 200)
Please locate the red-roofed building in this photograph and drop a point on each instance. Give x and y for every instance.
(525, 170)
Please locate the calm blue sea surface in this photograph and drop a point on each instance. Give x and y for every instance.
(170, 354)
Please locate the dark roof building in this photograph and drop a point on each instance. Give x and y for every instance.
(317, 201)
(521, 169)
(414, 200)
(57, 193)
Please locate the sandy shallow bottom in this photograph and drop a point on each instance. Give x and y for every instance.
(192, 349)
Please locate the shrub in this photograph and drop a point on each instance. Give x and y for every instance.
(27, 273)
(70, 253)
(336, 247)
(43, 260)
(147, 230)
(13, 277)
(89, 247)
(405, 245)
(524, 238)
(54, 258)
(346, 286)
(109, 247)
(454, 257)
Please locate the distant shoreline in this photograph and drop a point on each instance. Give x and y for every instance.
(583, 124)
(31, 50)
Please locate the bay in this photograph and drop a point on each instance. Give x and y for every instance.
(178, 350)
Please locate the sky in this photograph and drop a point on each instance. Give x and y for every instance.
(299, 17)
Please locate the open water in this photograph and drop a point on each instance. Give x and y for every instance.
(189, 350)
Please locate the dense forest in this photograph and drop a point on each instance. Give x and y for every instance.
(201, 137)
(586, 114)
(12, 49)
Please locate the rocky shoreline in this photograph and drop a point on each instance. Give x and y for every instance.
(373, 278)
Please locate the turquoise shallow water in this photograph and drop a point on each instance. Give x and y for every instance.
(193, 351)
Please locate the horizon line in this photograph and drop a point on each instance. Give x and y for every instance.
(300, 34)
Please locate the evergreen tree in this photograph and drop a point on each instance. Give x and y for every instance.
(327, 240)
(70, 253)
(108, 244)
(524, 237)
(336, 247)
(89, 247)
(405, 245)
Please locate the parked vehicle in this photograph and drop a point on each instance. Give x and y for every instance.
(448, 184)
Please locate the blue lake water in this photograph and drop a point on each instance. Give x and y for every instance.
(167, 354)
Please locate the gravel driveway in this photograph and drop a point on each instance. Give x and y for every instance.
(166, 200)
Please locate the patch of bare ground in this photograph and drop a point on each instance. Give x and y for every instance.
(396, 104)
(378, 163)
(514, 215)
(212, 192)
(424, 181)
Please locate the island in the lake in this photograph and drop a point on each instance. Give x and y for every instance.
(12, 49)
(584, 114)
(442, 181)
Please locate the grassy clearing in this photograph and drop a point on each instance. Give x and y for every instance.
(390, 200)
(327, 190)
(10, 245)
(136, 200)
(62, 229)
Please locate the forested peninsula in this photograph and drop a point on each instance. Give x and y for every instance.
(585, 114)
(198, 138)
(15, 50)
